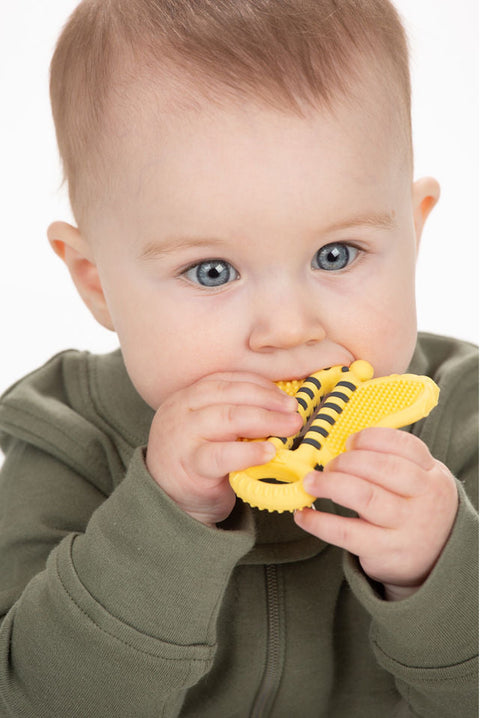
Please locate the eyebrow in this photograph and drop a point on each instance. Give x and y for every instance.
(154, 250)
(378, 220)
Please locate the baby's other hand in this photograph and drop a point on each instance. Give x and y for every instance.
(193, 443)
(406, 503)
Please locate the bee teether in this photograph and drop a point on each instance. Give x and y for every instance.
(347, 400)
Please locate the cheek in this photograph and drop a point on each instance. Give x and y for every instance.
(148, 330)
(392, 342)
(380, 326)
(168, 345)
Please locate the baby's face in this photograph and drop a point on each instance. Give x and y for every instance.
(245, 239)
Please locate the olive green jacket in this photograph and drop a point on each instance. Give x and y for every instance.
(115, 603)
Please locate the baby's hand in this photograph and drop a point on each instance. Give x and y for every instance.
(193, 439)
(406, 503)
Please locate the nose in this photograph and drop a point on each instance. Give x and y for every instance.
(285, 320)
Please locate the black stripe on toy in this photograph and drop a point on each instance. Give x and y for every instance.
(305, 390)
(339, 395)
(324, 417)
(347, 385)
(335, 407)
(311, 442)
(313, 380)
(319, 430)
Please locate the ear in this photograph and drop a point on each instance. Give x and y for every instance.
(74, 250)
(425, 195)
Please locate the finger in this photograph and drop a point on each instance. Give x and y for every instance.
(393, 473)
(393, 441)
(228, 422)
(263, 393)
(354, 535)
(371, 502)
(216, 459)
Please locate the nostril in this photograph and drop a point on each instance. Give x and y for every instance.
(271, 337)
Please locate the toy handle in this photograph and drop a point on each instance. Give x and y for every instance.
(313, 441)
(309, 396)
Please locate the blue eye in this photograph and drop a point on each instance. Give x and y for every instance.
(334, 256)
(211, 273)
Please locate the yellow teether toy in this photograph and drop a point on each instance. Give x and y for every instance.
(348, 399)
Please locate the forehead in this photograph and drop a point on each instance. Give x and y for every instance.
(156, 100)
(163, 135)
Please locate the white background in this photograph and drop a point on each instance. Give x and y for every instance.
(40, 312)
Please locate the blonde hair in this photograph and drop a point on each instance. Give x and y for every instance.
(281, 52)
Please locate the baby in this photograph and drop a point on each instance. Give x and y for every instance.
(241, 177)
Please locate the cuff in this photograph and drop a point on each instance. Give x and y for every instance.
(437, 625)
(152, 566)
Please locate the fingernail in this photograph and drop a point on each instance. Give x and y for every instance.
(269, 451)
(350, 442)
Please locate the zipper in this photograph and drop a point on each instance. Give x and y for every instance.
(268, 689)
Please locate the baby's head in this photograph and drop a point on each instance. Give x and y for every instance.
(287, 55)
(241, 174)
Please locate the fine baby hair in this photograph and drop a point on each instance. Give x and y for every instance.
(352, 401)
(245, 212)
(289, 55)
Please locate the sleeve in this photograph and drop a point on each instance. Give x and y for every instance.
(429, 641)
(108, 605)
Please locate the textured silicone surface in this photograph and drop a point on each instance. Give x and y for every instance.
(342, 401)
